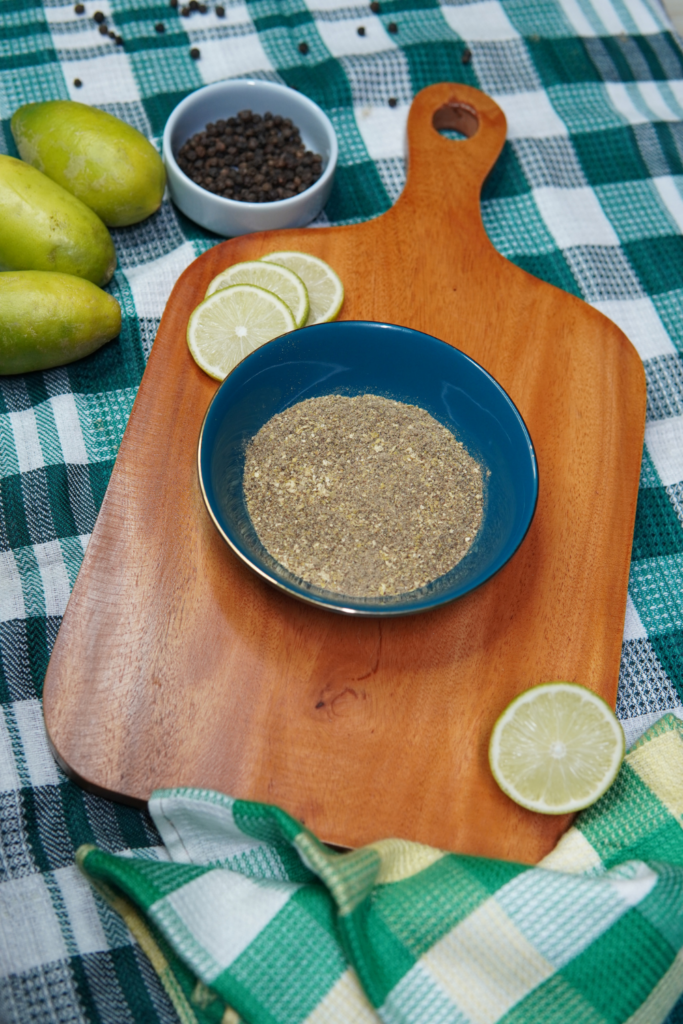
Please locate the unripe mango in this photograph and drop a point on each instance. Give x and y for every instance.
(50, 319)
(106, 163)
(44, 227)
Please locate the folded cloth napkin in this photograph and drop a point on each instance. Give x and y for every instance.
(253, 918)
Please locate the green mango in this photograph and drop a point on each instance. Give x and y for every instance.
(50, 319)
(44, 227)
(106, 163)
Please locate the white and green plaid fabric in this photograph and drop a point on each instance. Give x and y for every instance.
(587, 194)
(253, 916)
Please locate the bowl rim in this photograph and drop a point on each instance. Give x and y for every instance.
(236, 204)
(390, 611)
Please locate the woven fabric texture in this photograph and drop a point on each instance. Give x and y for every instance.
(254, 915)
(587, 194)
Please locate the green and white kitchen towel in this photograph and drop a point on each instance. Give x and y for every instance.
(253, 918)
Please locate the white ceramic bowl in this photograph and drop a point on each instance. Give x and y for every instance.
(225, 99)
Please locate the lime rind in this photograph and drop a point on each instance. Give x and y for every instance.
(233, 322)
(556, 748)
(280, 280)
(325, 289)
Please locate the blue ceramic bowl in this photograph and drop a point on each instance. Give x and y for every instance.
(355, 358)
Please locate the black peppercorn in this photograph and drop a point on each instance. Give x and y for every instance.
(466, 56)
(360, 30)
(374, 7)
(172, 3)
(392, 101)
(79, 9)
(112, 35)
(392, 27)
(185, 12)
(194, 5)
(220, 11)
(202, 8)
(99, 17)
(119, 40)
(104, 31)
(250, 158)
(303, 48)
(78, 83)
(159, 27)
(194, 53)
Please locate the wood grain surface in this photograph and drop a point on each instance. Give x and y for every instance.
(176, 665)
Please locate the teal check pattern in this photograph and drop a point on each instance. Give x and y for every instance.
(252, 916)
(587, 194)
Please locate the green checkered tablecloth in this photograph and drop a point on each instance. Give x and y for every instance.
(587, 194)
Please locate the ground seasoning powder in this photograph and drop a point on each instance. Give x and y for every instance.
(362, 496)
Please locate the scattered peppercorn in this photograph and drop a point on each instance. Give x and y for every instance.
(159, 27)
(194, 5)
(172, 3)
(104, 31)
(119, 40)
(78, 83)
(194, 53)
(466, 56)
(185, 12)
(374, 7)
(202, 8)
(392, 27)
(99, 17)
(253, 158)
(392, 101)
(361, 30)
(112, 35)
(303, 48)
(79, 9)
(220, 11)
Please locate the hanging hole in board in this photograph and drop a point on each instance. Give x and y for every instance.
(456, 121)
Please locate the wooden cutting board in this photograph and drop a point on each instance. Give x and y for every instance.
(176, 665)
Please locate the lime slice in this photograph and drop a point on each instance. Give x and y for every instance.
(556, 748)
(231, 323)
(279, 280)
(325, 290)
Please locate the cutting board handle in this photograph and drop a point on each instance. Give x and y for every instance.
(467, 161)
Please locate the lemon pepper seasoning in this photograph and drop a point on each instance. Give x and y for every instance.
(363, 496)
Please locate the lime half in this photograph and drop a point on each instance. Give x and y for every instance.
(325, 290)
(280, 280)
(233, 322)
(556, 748)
